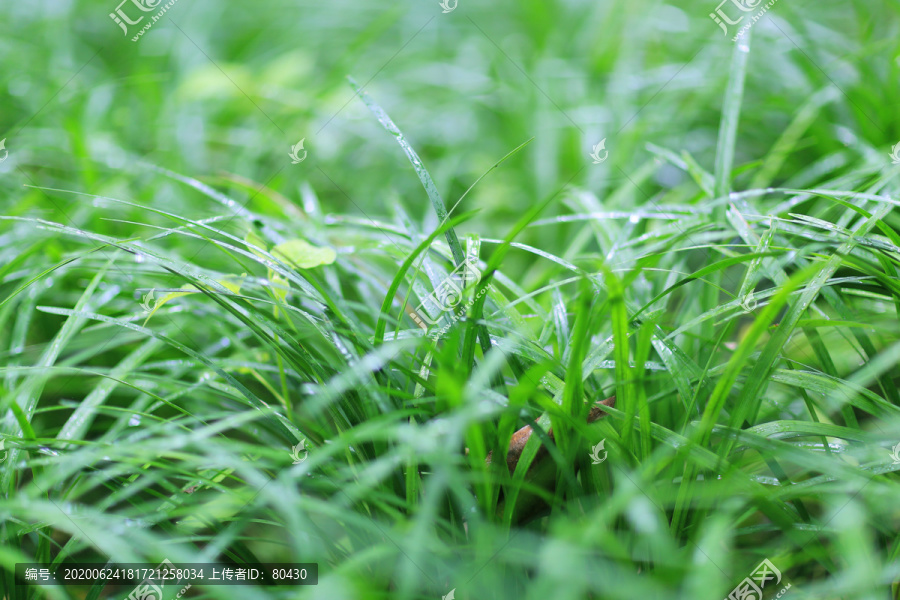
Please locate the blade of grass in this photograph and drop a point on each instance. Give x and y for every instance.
(433, 194)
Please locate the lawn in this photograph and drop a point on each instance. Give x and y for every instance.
(284, 283)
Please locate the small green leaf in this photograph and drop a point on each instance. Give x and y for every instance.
(303, 255)
(252, 239)
(232, 283)
(280, 288)
(190, 289)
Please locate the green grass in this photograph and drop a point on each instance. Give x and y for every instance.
(729, 274)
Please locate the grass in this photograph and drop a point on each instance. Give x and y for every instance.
(729, 274)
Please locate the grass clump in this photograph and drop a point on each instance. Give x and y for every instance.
(225, 369)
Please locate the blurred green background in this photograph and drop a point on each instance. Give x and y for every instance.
(229, 87)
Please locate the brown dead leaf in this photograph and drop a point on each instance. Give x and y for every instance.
(520, 438)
